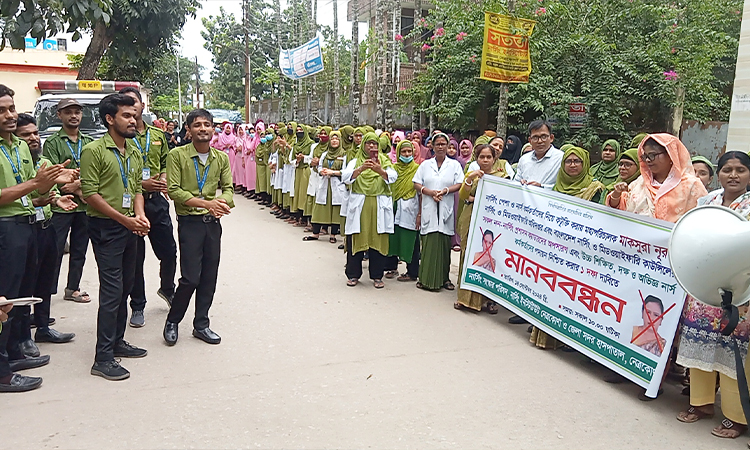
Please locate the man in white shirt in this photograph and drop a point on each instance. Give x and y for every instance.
(540, 166)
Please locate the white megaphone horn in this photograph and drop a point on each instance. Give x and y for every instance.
(709, 252)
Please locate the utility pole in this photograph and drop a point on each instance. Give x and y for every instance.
(248, 77)
(502, 97)
(418, 117)
(197, 85)
(355, 99)
(336, 81)
(179, 94)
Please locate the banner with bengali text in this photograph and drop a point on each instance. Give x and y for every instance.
(595, 278)
(505, 49)
(303, 61)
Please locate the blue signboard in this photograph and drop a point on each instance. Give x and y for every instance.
(303, 61)
(47, 44)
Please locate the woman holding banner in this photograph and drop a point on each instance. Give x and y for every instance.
(573, 178)
(628, 170)
(486, 158)
(702, 347)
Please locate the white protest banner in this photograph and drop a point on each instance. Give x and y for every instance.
(596, 278)
(303, 61)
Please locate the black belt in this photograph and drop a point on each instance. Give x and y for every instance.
(31, 220)
(44, 224)
(205, 218)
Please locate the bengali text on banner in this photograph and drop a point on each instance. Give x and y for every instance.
(303, 61)
(596, 278)
(505, 50)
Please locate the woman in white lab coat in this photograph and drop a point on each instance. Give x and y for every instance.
(436, 179)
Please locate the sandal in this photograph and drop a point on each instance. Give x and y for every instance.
(449, 286)
(456, 248)
(332, 239)
(82, 297)
(391, 274)
(378, 284)
(351, 282)
(405, 277)
(309, 238)
(341, 246)
(492, 308)
(735, 429)
(693, 414)
(308, 230)
(458, 306)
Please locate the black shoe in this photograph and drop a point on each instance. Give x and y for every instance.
(165, 297)
(207, 336)
(110, 370)
(53, 336)
(50, 322)
(517, 320)
(170, 333)
(28, 363)
(29, 348)
(124, 350)
(20, 383)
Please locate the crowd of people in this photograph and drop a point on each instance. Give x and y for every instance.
(114, 192)
(408, 197)
(381, 197)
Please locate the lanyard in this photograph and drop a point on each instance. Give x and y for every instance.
(148, 145)
(123, 174)
(76, 156)
(16, 168)
(201, 181)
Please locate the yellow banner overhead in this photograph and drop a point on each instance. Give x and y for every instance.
(505, 51)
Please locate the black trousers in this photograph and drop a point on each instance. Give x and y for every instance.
(161, 237)
(46, 239)
(376, 266)
(17, 273)
(200, 252)
(115, 252)
(333, 227)
(77, 224)
(412, 268)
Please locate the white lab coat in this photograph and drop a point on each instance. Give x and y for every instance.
(338, 188)
(406, 213)
(438, 217)
(356, 203)
(274, 159)
(312, 184)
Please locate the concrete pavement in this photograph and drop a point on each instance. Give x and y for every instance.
(306, 362)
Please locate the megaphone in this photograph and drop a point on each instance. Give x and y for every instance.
(709, 252)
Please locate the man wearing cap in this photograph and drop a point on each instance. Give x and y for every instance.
(154, 147)
(64, 145)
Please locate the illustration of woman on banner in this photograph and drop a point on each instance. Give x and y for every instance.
(484, 258)
(646, 336)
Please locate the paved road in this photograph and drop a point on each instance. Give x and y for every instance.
(307, 362)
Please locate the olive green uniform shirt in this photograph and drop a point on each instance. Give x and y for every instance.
(182, 182)
(46, 209)
(154, 149)
(8, 178)
(101, 174)
(56, 150)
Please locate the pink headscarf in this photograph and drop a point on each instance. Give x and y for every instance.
(464, 159)
(255, 141)
(226, 140)
(400, 134)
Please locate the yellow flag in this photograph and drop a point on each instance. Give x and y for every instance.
(505, 51)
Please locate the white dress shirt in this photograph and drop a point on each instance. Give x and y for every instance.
(438, 216)
(543, 171)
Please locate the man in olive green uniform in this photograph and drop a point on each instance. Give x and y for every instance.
(27, 130)
(111, 184)
(154, 147)
(66, 145)
(194, 173)
(20, 183)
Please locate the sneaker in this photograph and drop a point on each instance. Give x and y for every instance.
(124, 350)
(137, 320)
(165, 297)
(110, 370)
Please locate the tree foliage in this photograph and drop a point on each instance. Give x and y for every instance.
(626, 59)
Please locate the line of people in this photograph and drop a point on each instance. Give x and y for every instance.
(399, 198)
(113, 191)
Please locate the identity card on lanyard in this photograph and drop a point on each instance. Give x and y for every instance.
(201, 181)
(76, 156)
(16, 170)
(127, 199)
(146, 174)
